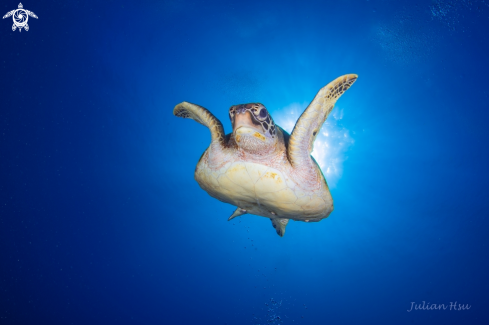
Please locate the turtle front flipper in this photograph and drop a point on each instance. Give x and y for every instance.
(279, 224)
(8, 14)
(307, 127)
(202, 116)
(30, 13)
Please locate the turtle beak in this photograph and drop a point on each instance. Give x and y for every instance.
(243, 118)
(245, 125)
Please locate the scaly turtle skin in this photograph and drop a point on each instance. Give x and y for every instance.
(259, 167)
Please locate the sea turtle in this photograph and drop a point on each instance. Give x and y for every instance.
(20, 17)
(259, 167)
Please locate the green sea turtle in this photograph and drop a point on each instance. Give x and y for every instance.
(259, 167)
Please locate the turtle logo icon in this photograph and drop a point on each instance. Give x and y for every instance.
(20, 17)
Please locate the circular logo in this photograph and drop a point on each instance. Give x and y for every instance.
(20, 18)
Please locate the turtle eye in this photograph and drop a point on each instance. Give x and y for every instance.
(263, 113)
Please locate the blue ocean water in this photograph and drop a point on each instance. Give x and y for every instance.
(102, 222)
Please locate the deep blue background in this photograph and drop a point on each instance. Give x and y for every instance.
(102, 222)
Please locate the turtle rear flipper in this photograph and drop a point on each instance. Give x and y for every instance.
(14, 27)
(202, 116)
(307, 127)
(26, 27)
(237, 213)
(279, 224)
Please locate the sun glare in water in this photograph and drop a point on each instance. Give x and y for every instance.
(331, 143)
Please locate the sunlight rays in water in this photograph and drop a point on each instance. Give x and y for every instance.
(331, 144)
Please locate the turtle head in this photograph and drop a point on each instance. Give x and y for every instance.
(253, 127)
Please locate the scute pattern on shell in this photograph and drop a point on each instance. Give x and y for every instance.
(264, 191)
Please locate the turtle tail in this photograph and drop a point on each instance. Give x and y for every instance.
(279, 224)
